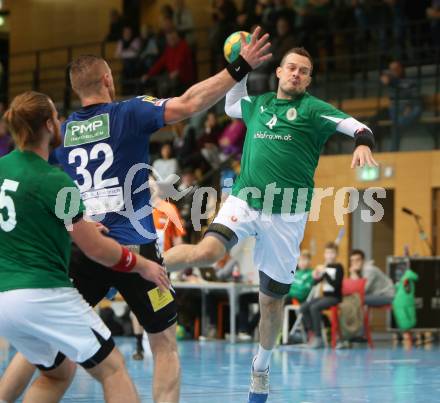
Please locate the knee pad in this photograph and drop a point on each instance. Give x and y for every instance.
(271, 287)
(223, 233)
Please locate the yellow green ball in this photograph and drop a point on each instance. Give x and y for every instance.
(232, 46)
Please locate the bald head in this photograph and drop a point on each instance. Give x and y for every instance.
(90, 76)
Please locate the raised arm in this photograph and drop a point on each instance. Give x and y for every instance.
(203, 95)
(233, 99)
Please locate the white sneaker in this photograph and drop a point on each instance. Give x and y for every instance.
(244, 336)
(259, 390)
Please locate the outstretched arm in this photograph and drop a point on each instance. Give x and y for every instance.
(203, 95)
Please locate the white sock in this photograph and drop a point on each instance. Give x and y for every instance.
(262, 359)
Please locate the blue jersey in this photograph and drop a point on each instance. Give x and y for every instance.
(106, 153)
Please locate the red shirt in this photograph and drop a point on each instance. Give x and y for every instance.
(177, 58)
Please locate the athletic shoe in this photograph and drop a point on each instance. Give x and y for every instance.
(259, 390)
(244, 336)
(316, 343)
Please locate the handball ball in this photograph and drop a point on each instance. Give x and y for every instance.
(231, 48)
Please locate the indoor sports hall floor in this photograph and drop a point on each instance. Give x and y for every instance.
(216, 372)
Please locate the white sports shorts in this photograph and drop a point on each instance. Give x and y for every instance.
(46, 324)
(278, 239)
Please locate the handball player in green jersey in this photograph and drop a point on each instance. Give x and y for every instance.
(270, 200)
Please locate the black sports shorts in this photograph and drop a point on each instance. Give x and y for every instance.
(154, 310)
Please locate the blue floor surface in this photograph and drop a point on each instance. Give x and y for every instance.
(216, 372)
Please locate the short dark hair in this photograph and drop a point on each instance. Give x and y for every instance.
(85, 73)
(332, 245)
(298, 51)
(306, 253)
(358, 252)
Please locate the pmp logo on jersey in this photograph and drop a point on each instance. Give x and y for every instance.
(80, 132)
(291, 114)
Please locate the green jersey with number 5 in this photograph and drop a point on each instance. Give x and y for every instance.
(35, 200)
(284, 140)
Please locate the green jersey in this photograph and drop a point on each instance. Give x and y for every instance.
(34, 242)
(284, 140)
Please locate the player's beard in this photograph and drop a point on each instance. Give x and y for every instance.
(55, 142)
(111, 92)
(291, 92)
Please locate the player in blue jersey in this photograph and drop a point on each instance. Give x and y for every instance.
(106, 152)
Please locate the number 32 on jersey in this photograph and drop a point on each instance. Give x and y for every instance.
(100, 195)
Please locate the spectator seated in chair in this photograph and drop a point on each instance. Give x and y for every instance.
(330, 275)
(379, 290)
(303, 281)
(166, 165)
(405, 101)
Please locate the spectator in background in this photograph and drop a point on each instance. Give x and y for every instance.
(185, 146)
(167, 11)
(6, 144)
(166, 165)
(379, 289)
(208, 141)
(127, 50)
(330, 275)
(283, 40)
(303, 281)
(167, 219)
(398, 21)
(264, 79)
(232, 138)
(248, 18)
(313, 25)
(188, 180)
(116, 26)
(433, 14)
(275, 10)
(301, 287)
(178, 64)
(183, 21)
(149, 50)
(166, 20)
(418, 26)
(166, 24)
(224, 15)
(405, 102)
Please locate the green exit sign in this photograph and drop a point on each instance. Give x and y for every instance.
(366, 173)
